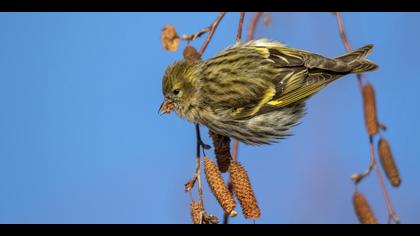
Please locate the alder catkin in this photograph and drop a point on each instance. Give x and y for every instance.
(388, 163)
(195, 212)
(243, 191)
(362, 209)
(221, 146)
(369, 105)
(218, 187)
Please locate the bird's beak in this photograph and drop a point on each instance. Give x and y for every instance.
(166, 107)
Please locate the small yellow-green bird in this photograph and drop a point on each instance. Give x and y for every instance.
(255, 91)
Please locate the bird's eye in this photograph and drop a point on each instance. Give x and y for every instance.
(176, 91)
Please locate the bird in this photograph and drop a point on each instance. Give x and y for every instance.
(255, 91)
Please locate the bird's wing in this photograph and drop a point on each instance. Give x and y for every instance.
(300, 75)
(262, 76)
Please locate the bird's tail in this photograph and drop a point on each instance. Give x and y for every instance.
(357, 59)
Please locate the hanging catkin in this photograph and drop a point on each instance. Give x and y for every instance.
(243, 191)
(218, 187)
(362, 209)
(221, 146)
(195, 212)
(369, 105)
(387, 162)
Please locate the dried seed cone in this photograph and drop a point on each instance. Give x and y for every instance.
(218, 187)
(195, 212)
(221, 146)
(243, 191)
(369, 105)
(362, 209)
(190, 53)
(209, 219)
(169, 38)
(388, 163)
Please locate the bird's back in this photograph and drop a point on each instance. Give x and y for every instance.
(259, 76)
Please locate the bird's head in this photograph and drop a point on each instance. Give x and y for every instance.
(178, 87)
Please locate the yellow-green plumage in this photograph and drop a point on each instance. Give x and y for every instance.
(254, 91)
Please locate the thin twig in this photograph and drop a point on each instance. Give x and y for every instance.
(198, 167)
(253, 25)
(342, 31)
(210, 35)
(357, 178)
(235, 150)
(191, 37)
(372, 163)
(191, 196)
(346, 42)
(240, 26)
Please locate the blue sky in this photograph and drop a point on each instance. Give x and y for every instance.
(81, 141)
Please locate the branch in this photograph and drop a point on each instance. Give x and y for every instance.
(253, 25)
(343, 34)
(235, 150)
(198, 167)
(190, 37)
(346, 42)
(240, 26)
(372, 164)
(212, 30)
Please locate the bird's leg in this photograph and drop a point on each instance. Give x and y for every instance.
(203, 145)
